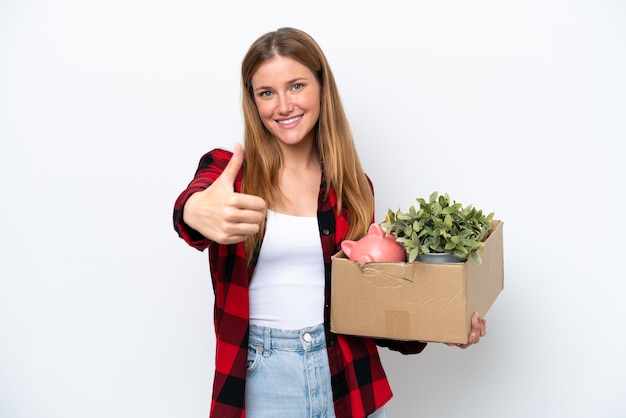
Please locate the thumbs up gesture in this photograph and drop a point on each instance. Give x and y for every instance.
(219, 213)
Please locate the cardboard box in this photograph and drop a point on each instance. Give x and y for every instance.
(415, 301)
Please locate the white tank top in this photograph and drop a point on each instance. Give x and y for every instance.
(287, 287)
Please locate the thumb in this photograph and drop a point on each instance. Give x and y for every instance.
(234, 165)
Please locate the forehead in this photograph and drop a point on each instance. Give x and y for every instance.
(280, 70)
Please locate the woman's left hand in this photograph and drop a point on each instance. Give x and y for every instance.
(479, 329)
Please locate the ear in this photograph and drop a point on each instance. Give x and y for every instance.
(376, 230)
(347, 246)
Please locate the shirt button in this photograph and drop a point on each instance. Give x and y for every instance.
(307, 337)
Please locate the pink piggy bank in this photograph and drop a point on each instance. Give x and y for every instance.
(375, 246)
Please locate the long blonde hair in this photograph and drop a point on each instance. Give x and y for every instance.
(333, 138)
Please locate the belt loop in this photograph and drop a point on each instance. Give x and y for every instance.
(267, 345)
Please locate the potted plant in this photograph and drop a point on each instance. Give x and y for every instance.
(440, 227)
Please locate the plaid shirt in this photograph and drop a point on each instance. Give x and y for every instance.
(358, 380)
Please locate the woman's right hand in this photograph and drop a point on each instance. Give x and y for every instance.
(221, 214)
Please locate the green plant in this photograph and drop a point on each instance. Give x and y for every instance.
(440, 226)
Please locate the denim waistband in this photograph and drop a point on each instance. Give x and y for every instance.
(290, 340)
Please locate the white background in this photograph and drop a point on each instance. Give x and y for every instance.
(106, 107)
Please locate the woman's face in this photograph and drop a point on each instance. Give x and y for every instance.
(287, 96)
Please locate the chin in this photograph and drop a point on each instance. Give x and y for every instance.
(291, 140)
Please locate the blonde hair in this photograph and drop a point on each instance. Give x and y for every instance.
(333, 138)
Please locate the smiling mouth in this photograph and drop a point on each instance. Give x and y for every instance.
(289, 121)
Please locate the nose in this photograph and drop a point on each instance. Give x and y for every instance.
(285, 106)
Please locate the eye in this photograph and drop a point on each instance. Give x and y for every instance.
(297, 86)
(265, 93)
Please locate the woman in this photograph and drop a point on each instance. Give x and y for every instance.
(272, 215)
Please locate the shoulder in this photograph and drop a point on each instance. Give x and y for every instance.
(213, 162)
(217, 157)
(212, 165)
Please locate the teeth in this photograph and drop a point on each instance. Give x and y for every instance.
(288, 121)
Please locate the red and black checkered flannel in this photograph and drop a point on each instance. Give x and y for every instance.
(358, 380)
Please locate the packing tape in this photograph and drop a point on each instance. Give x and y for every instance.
(398, 323)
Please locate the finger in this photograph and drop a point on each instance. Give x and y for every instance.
(463, 346)
(479, 325)
(228, 176)
(240, 233)
(478, 330)
(250, 205)
(236, 232)
(232, 168)
(242, 221)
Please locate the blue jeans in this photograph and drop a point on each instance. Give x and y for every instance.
(288, 374)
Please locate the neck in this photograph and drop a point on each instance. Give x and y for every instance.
(299, 157)
(299, 181)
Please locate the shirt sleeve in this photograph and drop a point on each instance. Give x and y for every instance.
(404, 347)
(210, 167)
